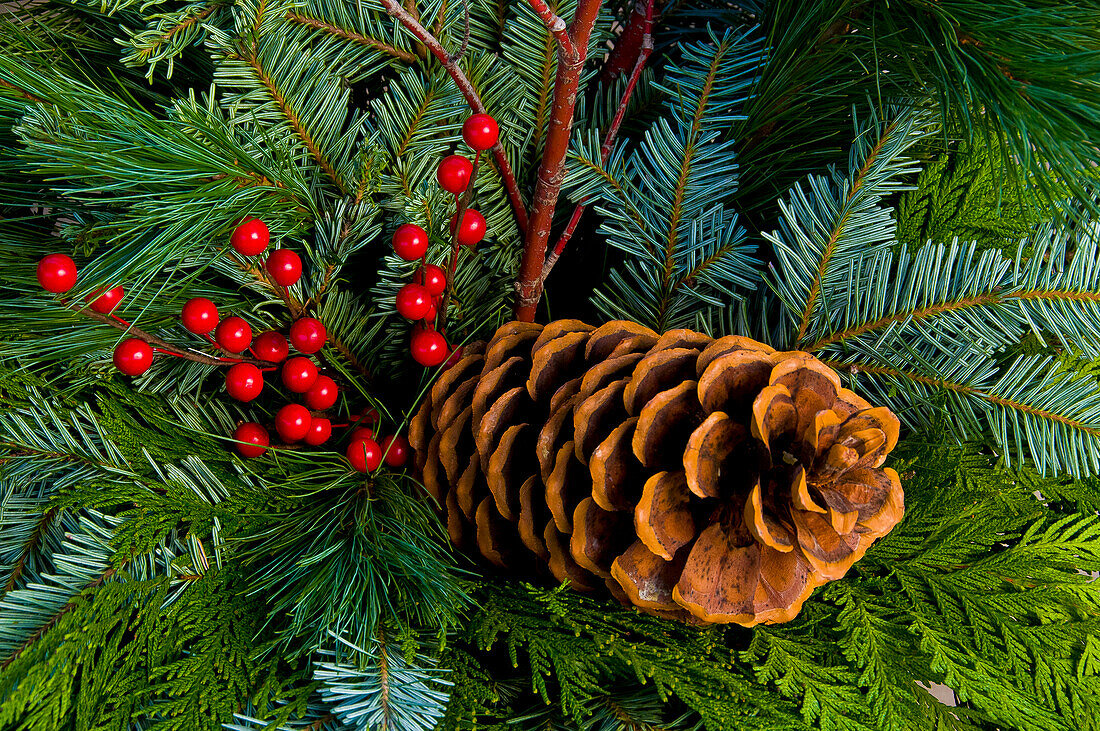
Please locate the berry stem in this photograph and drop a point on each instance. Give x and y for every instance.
(461, 204)
(156, 343)
(119, 319)
(393, 9)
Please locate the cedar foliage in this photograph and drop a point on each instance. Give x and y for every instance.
(783, 171)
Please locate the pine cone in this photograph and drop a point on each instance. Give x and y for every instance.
(707, 480)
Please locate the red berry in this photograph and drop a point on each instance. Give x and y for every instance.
(432, 312)
(322, 394)
(199, 315)
(233, 334)
(396, 448)
(410, 241)
(366, 416)
(456, 355)
(454, 173)
(133, 356)
(428, 348)
(365, 455)
(361, 433)
(250, 238)
(473, 228)
(271, 346)
(480, 132)
(56, 273)
(413, 301)
(293, 422)
(299, 374)
(433, 278)
(244, 381)
(319, 431)
(105, 302)
(307, 335)
(252, 439)
(284, 266)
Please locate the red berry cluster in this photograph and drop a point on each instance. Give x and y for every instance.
(244, 381)
(419, 300)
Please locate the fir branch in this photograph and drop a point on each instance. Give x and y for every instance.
(247, 53)
(29, 547)
(352, 36)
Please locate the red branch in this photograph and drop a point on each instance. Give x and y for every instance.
(551, 172)
(450, 63)
(644, 49)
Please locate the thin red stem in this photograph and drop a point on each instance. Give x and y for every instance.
(119, 319)
(450, 64)
(551, 172)
(644, 51)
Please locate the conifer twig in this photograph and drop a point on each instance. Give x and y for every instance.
(551, 172)
(403, 16)
(363, 40)
(644, 50)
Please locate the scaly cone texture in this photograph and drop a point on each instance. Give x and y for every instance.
(706, 480)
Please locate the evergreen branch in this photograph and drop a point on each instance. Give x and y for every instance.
(857, 183)
(21, 92)
(29, 547)
(455, 71)
(349, 35)
(180, 27)
(967, 390)
(168, 36)
(55, 618)
(250, 56)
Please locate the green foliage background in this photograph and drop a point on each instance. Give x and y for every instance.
(906, 190)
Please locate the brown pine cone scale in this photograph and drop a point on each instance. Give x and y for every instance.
(708, 480)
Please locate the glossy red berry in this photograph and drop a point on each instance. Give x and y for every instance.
(410, 241)
(199, 315)
(299, 374)
(252, 439)
(472, 230)
(284, 266)
(243, 381)
(434, 279)
(233, 334)
(362, 432)
(413, 301)
(455, 356)
(250, 238)
(428, 348)
(366, 416)
(454, 173)
(432, 312)
(396, 450)
(322, 394)
(271, 346)
(364, 454)
(319, 431)
(292, 422)
(133, 356)
(307, 335)
(56, 273)
(480, 132)
(105, 302)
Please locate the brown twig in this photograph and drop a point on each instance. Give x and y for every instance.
(411, 24)
(164, 345)
(644, 50)
(35, 537)
(551, 172)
